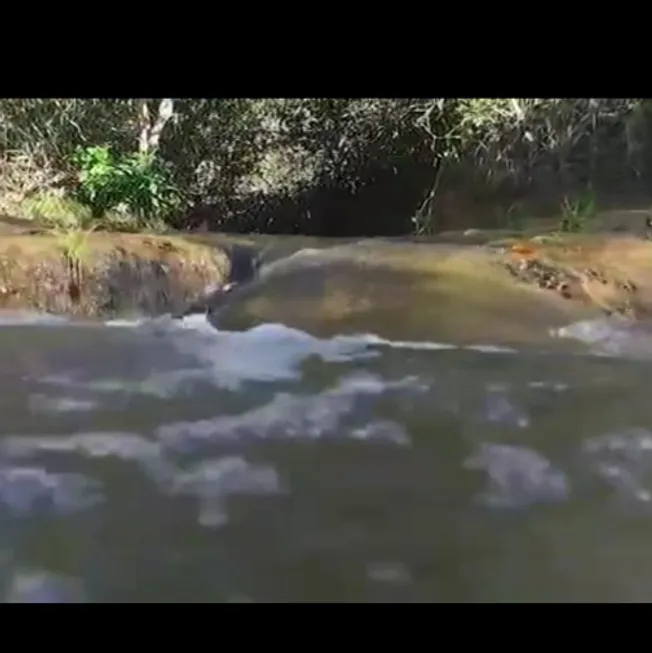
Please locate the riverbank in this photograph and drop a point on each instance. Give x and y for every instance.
(465, 280)
(100, 275)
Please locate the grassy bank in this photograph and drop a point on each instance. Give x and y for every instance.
(99, 275)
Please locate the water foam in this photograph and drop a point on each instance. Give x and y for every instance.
(612, 336)
(43, 586)
(623, 460)
(517, 476)
(25, 488)
(271, 352)
(290, 417)
(211, 481)
(198, 352)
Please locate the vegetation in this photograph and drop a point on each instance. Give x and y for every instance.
(319, 166)
(576, 214)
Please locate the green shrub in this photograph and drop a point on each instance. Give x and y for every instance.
(577, 213)
(134, 184)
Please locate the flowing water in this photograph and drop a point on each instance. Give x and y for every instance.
(163, 460)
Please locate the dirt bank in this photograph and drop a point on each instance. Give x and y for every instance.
(610, 272)
(101, 274)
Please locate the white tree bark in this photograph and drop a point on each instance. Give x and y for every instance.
(150, 129)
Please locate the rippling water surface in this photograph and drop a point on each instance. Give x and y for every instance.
(167, 461)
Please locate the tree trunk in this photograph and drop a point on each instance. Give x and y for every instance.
(150, 130)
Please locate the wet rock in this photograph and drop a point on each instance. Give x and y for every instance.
(507, 291)
(213, 298)
(403, 291)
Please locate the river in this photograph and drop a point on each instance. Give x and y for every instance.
(163, 460)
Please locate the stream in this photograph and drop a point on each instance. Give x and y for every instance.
(161, 460)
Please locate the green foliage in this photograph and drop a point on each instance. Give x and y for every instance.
(349, 140)
(577, 213)
(55, 127)
(213, 145)
(248, 158)
(136, 183)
